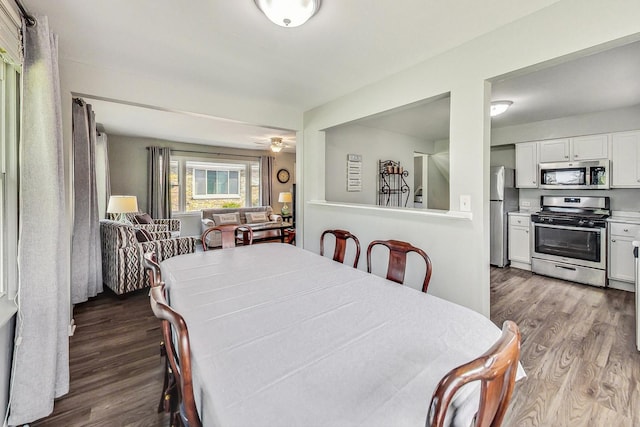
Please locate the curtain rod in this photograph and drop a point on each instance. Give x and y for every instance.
(29, 19)
(212, 153)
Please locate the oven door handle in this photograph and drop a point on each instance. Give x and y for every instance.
(565, 227)
(564, 267)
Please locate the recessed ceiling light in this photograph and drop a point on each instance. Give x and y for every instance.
(288, 13)
(499, 107)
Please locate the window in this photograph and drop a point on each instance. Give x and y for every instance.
(207, 183)
(199, 183)
(9, 125)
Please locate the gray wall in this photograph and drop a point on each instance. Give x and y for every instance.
(586, 124)
(128, 164)
(373, 145)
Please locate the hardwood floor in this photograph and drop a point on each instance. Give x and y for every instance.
(578, 350)
(115, 365)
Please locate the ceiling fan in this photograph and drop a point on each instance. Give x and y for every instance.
(276, 144)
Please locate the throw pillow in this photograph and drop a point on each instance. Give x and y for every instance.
(143, 235)
(144, 218)
(256, 217)
(224, 219)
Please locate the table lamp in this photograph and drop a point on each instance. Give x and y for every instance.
(122, 205)
(285, 197)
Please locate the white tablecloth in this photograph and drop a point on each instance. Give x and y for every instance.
(283, 337)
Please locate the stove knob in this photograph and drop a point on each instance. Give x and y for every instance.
(581, 222)
(591, 223)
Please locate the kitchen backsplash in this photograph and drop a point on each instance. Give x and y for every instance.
(622, 199)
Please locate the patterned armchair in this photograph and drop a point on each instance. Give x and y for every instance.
(122, 268)
(159, 224)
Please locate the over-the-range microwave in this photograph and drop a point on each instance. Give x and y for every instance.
(587, 175)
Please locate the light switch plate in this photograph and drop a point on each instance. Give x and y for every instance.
(526, 204)
(465, 203)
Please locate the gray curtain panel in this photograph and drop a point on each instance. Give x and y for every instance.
(86, 258)
(266, 179)
(41, 355)
(158, 189)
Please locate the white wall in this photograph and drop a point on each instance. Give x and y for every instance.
(459, 248)
(373, 145)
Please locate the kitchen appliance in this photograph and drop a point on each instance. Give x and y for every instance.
(636, 244)
(589, 175)
(570, 239)
(503, 198)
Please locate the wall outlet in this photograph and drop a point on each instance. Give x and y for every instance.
(465, 203)
(526, 204)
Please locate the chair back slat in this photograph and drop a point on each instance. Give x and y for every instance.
(341, 237)
(228, 235)
(397, 264)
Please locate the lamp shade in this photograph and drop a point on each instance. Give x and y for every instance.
(122, 204)
(285, 197)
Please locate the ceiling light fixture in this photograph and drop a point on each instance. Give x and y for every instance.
(288, 13)
(499, 107)
(276, 144)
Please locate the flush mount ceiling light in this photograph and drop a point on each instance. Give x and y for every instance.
(288, 13)
(276, 144)
(499, 107)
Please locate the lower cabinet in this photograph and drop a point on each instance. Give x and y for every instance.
(519, 240)
(621, 270)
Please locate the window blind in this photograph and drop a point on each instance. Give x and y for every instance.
(10, 24)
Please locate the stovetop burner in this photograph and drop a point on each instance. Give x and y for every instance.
(586, 212)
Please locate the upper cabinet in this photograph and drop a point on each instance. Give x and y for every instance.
(554, 150)
(591, 147)
(625, 159)
(527, 165)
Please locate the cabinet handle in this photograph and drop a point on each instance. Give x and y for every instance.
(626, 230)
(566, 157)
(526, 231)
(613, 240)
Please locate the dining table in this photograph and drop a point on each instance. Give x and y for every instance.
(281, 336)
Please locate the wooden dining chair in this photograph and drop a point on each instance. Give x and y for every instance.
(398, 251)
(228, 235)
(495, 369)
(173, 325)
(342, 236)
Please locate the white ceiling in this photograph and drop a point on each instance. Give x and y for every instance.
(229, 47)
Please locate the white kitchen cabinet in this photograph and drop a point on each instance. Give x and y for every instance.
(625, 160)
(621, 269)
(527, 165)
(519, 240)
(591, 147)
(554, 150)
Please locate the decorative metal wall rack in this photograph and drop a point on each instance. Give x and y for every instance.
(393, 189)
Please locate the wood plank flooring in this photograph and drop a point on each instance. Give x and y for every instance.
(578, 350)
(115, 365)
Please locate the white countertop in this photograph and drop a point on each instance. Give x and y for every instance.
(627, 217)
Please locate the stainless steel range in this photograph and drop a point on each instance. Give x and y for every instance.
(570, 239)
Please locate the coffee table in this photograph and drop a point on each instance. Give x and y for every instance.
(267, 226)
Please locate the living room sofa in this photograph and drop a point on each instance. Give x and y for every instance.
(223, 216)
(122, 268)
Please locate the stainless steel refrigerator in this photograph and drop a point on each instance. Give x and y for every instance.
(503, 198)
